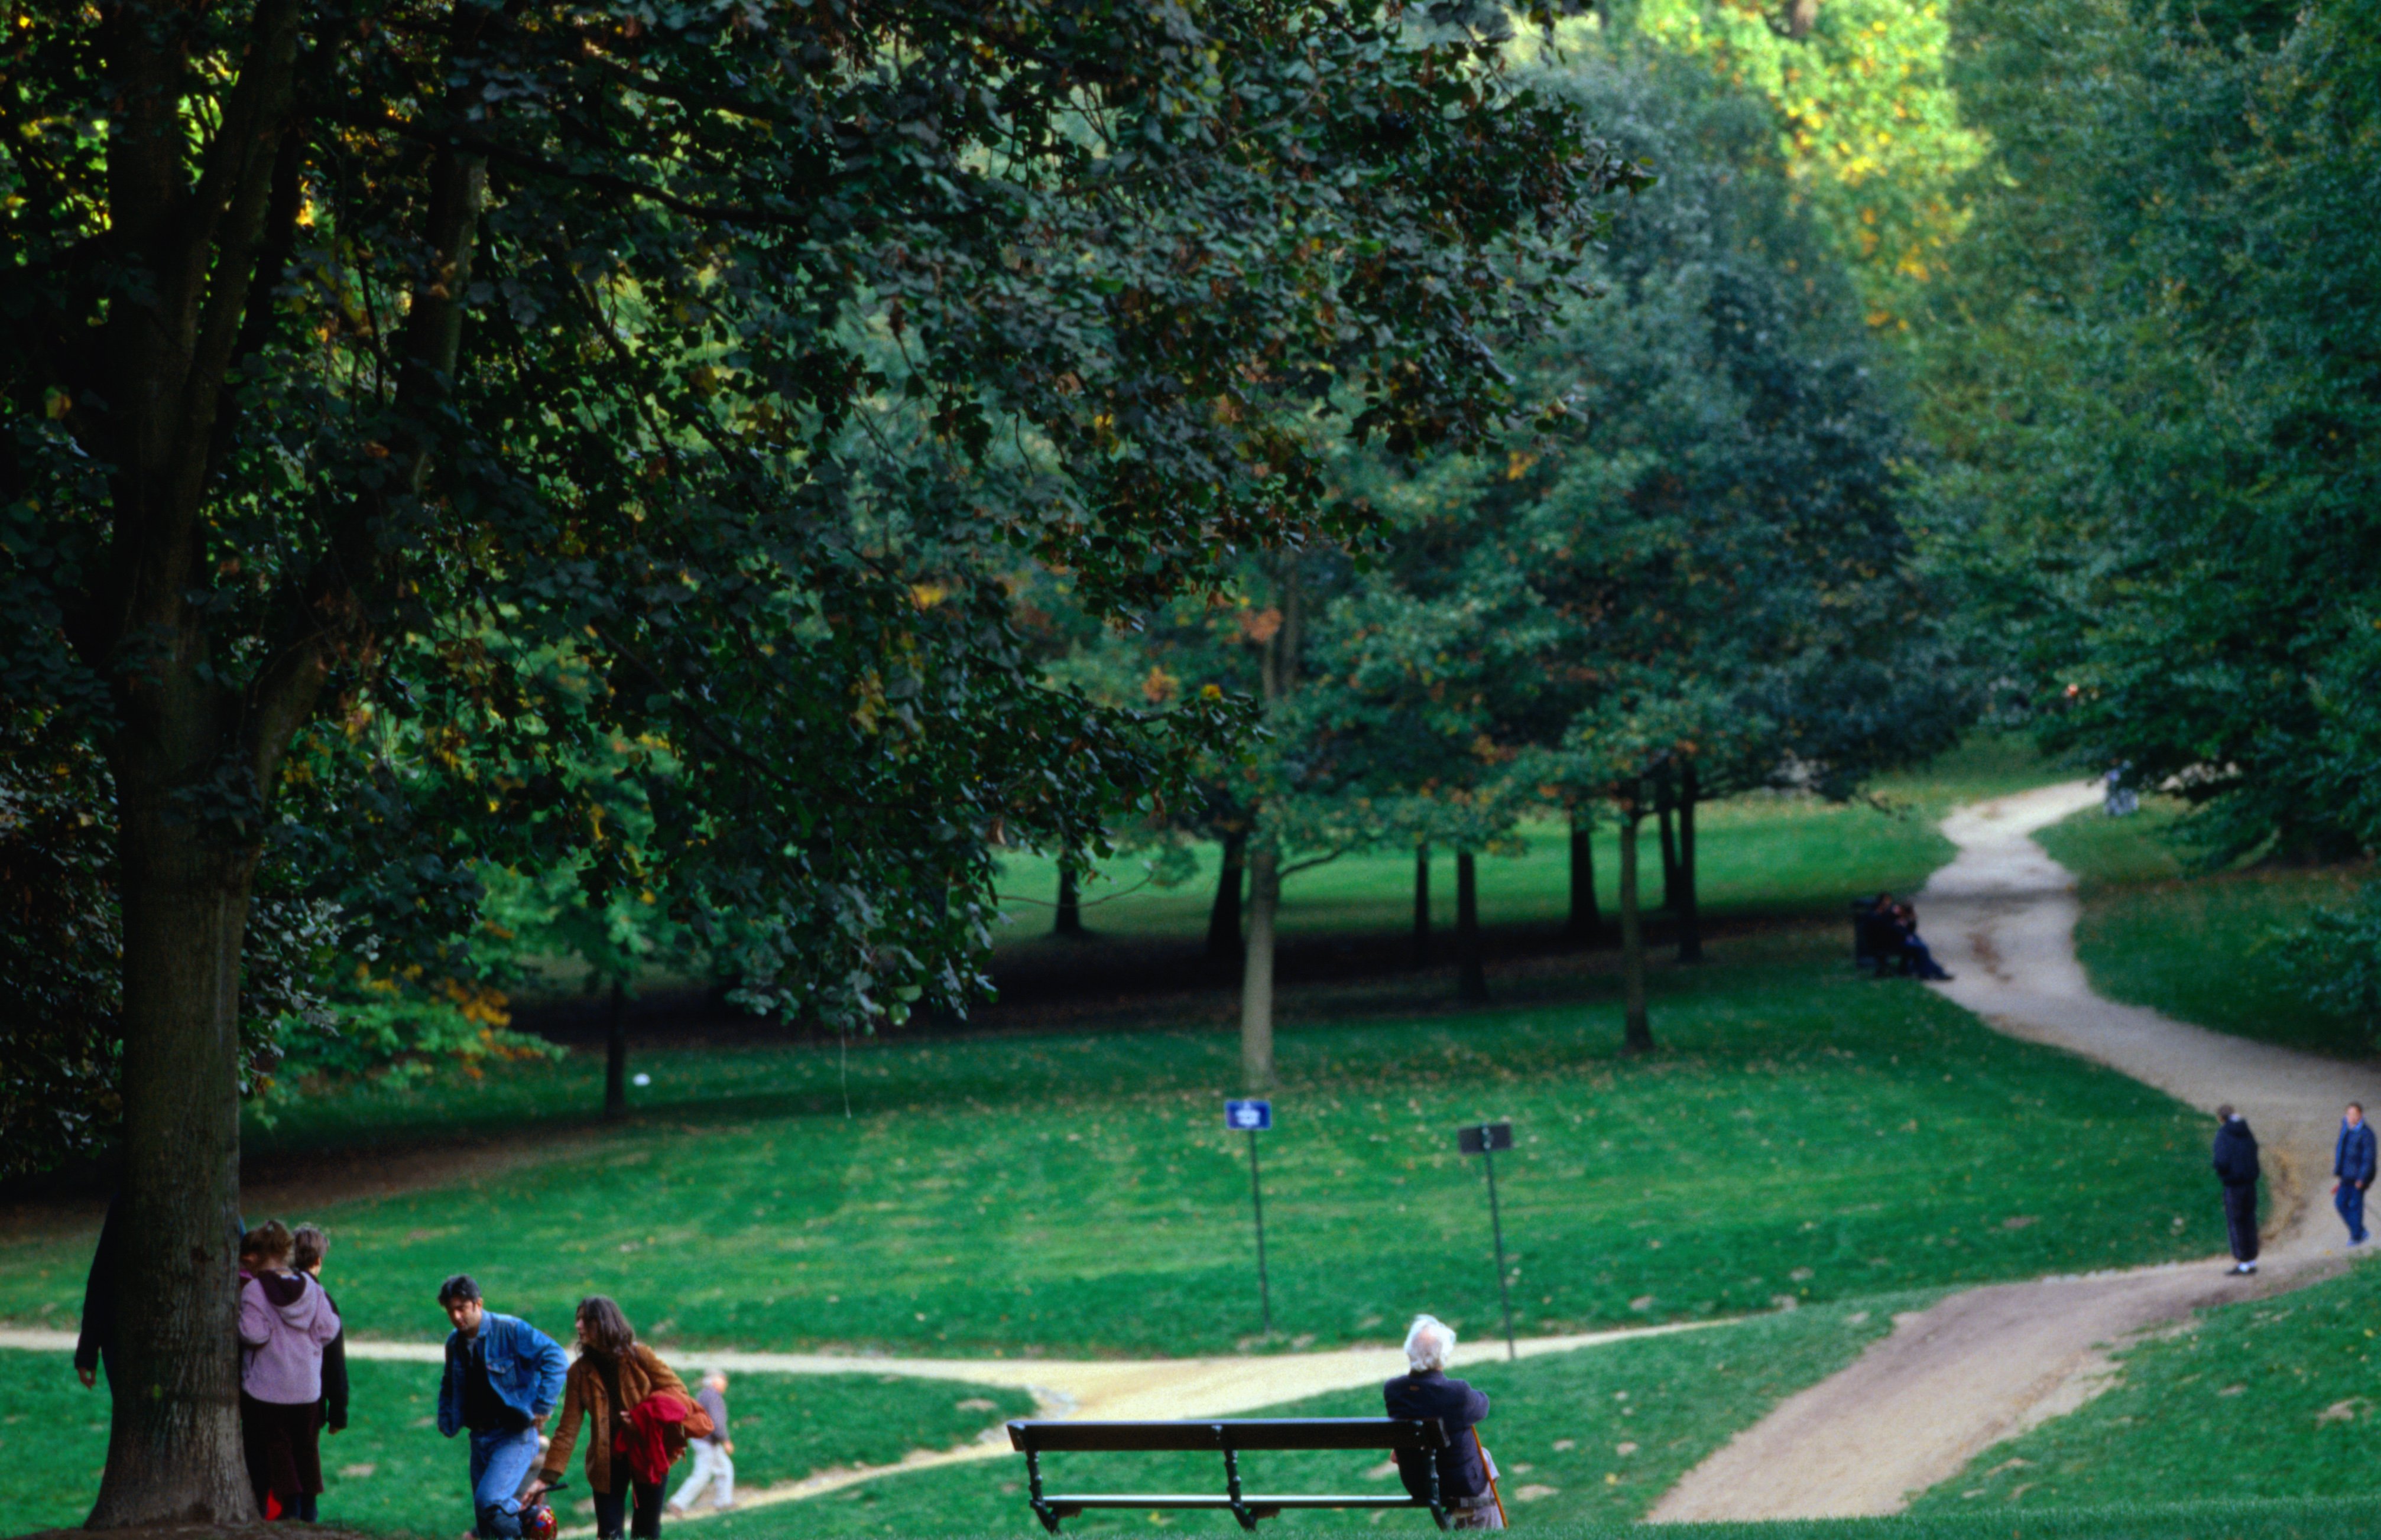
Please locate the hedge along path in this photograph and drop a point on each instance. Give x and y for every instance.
(1986, 1364)
(1108, 1389)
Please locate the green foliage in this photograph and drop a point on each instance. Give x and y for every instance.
(702, 398)
(2154, 368)
(1078, 1193)
(2265, 1398)
(390, 1472)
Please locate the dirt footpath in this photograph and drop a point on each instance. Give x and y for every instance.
(1988, 1364)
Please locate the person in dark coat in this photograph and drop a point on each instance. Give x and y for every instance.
(2351, 1165)
(308, 1247)
(1465, 1472)
(95, 1344)
(2236, 1167)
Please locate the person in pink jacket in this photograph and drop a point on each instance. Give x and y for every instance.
(285, 1322)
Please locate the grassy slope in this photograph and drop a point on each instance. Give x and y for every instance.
(391, 1471)
(2199, 948)
(1559, 1430)
(1804, 1132)
(2268, 1399)
(1757, 854)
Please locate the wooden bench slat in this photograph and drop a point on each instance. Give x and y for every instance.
(1247, 1433)
(1145, 1500)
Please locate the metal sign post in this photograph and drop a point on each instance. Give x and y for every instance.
(1484, 1140)
(1255, 1117)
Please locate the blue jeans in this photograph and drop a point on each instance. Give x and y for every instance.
(2350, 1201)
(500, 1463)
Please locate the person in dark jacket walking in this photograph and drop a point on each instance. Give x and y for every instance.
(2351, 1165)
(308, 1247)
(2236, 1166)
(1466, 1474)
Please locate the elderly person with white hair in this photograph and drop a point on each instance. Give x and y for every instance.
(1466, 1474)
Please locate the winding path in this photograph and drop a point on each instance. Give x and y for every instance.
(1983, 1366)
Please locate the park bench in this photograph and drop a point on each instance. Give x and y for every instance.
(1230, 1438)
(1876, 945)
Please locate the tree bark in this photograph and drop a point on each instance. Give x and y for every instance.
(1690, 925)
(1224, 918)
(1069, 923)
(616, 1055)
(1471, 979)
(1662, 801)
(1586, 922)
(1637, 1032)
(174, 1442)
(1421, 906)
(1256, 977)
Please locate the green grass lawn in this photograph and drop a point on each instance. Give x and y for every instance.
(1596, 1435)
(2274, 1398)
(1762, 853)
(1804, 1133)
(391, 1471)
(2198, 947)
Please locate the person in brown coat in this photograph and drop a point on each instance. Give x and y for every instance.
(613, 1375)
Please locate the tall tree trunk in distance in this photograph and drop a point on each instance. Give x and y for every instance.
(1637, 1034)
(1662, 801)
(616, 1056)
(1421, 906)
(1690, 924)
(1224, 918)
(1256, 976)
(1470, 980)
(1069, 923)
(1585, 921)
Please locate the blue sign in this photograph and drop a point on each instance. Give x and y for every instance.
(1254, 1117)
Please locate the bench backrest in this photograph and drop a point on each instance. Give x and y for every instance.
(1246, 1432)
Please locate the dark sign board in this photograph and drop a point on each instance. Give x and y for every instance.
(1485, 1136)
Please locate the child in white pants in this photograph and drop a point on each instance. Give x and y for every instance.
(713, 1467)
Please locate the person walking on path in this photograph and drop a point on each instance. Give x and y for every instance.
(1466, 1474)
(712, 1463)
(286, 1321)
(308, 1247)
(634, 1404)
(503, 1375)
(2236, 1166)
(2351, 1166)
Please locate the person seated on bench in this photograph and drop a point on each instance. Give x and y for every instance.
(1916, 955)
(1465, 1472)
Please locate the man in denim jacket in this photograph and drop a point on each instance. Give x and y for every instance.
(503, 1376)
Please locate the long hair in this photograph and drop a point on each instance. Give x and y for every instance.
(269, 1242)
(608, 1331)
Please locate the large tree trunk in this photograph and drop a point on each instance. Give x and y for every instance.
(1471, 979)
(1637, 1034)
(1585, 921)
(1069, 923)
(1224, 918)
(616, 1055)
(1662, 801)
(174, 1446)
(1421, 906)
(1690, 924)
(1256, 977)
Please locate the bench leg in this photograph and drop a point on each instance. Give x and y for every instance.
(1042, 1511)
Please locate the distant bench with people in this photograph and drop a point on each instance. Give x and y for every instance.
(1884, 941)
